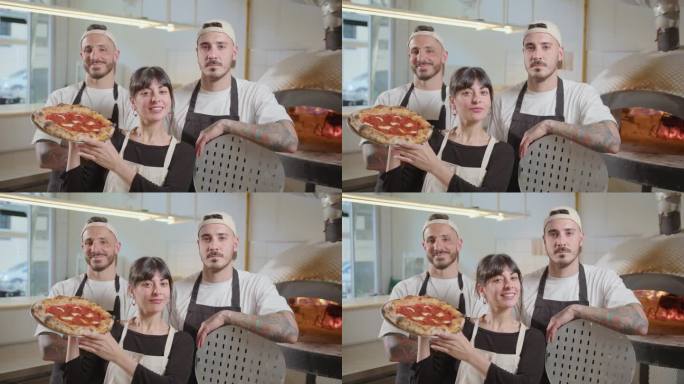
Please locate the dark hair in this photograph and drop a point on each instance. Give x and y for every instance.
(424, 28)
(145, 268)
(493, 265)
(97, 219)
(142, 78)
(438, 216)
(99, 27)
(465, 77)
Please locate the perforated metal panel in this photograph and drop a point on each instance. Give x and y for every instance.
(234, 355)
(232, 164)
(587, 353)
(556, 164)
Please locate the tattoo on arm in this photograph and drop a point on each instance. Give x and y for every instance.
(401, 348)
(53, 347)
(279, 136)
(375, 156)
(51, 155)
(628, 319)
(601, 137)
(280, 327)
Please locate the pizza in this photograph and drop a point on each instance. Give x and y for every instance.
(423, 315)
(390, 125)
(72, 122)
(72, 315)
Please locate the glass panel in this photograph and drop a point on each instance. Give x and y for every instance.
(365, 250)
(40, 251)
(14, 241)
(39, 58)
(346, 251)
(14, 52)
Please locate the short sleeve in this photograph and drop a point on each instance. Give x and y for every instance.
(266, 107)
(268, 298)
(615, 292)
(592, 109)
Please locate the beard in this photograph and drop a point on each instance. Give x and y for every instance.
(99, 267)
(564, 257)
(215, 73)
(426, 75)
(98, 74)
(443, 264)
(217, 261)
(542, 76)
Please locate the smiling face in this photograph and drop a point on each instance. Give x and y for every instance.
(563, 242)
(426, 57)
(151, 296)
(100, 248)
(501, 291)
(472, 104)
(542, 55)
(217, 246)
(152, 103)
(99, 55)
(216, 54)
(442, 245)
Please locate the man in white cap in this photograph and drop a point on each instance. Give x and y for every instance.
(443, 280)
(99, 92)
(219, 103)
(100, 283)
(426, 94)
(567, 289)
(221, 295)
(546, 104)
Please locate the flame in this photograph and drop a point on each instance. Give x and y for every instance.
(318, 311)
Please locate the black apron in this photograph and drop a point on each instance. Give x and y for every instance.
(196, 122)
(197, 313)
(439, 124)
(55, 183)
(522, 122)
(404, 370)
(544, 310)
(56, 377)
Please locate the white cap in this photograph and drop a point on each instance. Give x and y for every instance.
(218, 26)
(100, 224)
(432, 34)
(547, 27)
(563, 213)
(440, 221)
(217, 218)
(99, 32)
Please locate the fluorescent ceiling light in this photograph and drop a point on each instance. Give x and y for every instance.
(409, 15)
(69, 205)
(99, 17)
(383, 201)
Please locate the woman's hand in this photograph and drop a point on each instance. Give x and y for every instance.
(454, 344)
(103, 153)
(420, 156)
(102, 345)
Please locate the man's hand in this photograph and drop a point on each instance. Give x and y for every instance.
(561, 318)
(538, 131)
(217, 320)
(209, 133)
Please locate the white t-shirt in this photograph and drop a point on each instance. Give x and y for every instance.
(258, 296)
(425, 103)
(605, 289)
(444, 289)
(583, 106)
(100, 100)
(257, 104)
(101, 292)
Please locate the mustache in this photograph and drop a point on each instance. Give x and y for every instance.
(538, 62)
(213, 62)
(562, 249)
(424, 63)
(97, 254)
(214, 254)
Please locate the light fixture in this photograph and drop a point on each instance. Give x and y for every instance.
(395, 13)
(99, 17)
(384, 201)
(68, 205)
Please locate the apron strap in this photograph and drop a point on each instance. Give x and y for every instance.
(423, 287)
(487, 156)
(519, 100)
(193, 98)
(442, 111)
(169, 341)
(79, 291)
(407, 96)
(123, 334)
(582, 286)
(125, 143)
(521, 339)
(79, 95)
(117, 301)
(115, 111)
(475, 328)
(195, 289)
(542, 283)
(461, 299)
(169, 152)
(560, 98)
(235, 299)
(233, 97)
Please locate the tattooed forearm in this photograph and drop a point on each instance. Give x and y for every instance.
(375, 156)
(51, 155)
(52, 347)
(280, 327)
(601, 137)
(628, 319)
(279, 136)
(400, 348)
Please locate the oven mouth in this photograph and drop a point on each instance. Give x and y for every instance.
(319, 320)
(651, 130)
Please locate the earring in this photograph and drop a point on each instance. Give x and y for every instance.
(132, 300)
(484, 300)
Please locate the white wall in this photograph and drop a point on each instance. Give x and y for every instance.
(277, 222)
(607, 220)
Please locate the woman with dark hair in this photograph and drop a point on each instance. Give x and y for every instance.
(146, 349)
(145, 159)
(494, 348)
(459, 159)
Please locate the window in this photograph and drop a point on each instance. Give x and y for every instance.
(360, 258)
(366, 58)
(25, 53)
(25, 250)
